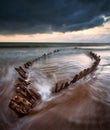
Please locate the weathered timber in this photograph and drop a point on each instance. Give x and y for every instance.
(21, 81)
(20, 105)
(28, 64)
(21, 72)
(24, 101)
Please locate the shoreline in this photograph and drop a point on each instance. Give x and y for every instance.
(47, 44)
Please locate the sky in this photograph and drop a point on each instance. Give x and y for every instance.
(55, 21)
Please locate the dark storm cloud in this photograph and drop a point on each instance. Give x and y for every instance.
(40, 16)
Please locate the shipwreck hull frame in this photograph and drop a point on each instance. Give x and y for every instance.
(26, 98)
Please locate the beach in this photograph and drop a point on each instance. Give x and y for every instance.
(84, 105)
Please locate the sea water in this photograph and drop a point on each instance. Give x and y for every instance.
(84, 106)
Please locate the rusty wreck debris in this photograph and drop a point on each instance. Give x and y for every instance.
(26, 97)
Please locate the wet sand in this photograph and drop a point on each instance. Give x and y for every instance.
(85, 105)
(71, 109)
(74, 110)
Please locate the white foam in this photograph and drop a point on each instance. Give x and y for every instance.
(44, 88)
(9, 74)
